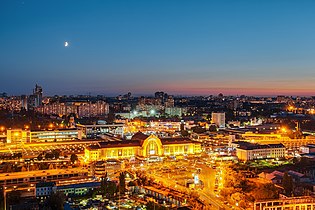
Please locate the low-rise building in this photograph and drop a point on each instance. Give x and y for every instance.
(15, 136)
(45, 189)
(19, 178)
(78, 189)
(246, 151)
(308, 149)
(144, 146)
(305, 202)
(275, 176)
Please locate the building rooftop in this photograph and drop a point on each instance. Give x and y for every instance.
(310, 146)
(139, 136)
(137, 141)
(40, 173)
(80, 185)
(45, 184)
(166, 141)
(124, 143)
(250, 146)
(295, 174)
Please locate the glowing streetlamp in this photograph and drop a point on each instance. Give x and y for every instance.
(290, 108)
(284, 130)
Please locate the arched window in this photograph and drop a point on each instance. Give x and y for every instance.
(152, 148)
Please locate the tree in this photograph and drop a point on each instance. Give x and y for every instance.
(243, 183)
(73, 158)
(43, 166)
(8, 168)
(108, 188)
(122, 183)
(198, 129)
(304, 161)
(110, 117)
(227, 192)
(213, 128)
(55, 201)
(49, 156)
(40, 157)
(155, 206)
(151, 205)
(56, 153)
(184, 133)
(237, 197)
(266, 191)
(287, 183)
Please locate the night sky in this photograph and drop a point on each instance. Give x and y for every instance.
(183, 47)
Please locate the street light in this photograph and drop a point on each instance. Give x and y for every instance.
(284, 130)
(51, 125)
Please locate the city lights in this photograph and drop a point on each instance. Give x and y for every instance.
(144, 105)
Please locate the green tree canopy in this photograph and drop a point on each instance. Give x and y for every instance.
(55, 201)
(122, 183)
(73, 158)
(266, 191)
(287, 183)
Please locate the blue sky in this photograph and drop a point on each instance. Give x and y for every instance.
(181, 47)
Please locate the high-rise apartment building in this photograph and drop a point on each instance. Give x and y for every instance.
(38, 95)
(81, 109)
(218, 118)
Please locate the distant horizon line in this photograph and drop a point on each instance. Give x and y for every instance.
(175, 95)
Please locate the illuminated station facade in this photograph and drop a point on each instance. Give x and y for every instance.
(142, 146)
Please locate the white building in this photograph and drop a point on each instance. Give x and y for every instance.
(246, 151)
(310, 148)
(283, 203)
(218, 118)
(175, 111)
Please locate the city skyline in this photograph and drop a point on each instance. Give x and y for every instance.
(205, 93)
(180, 47)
